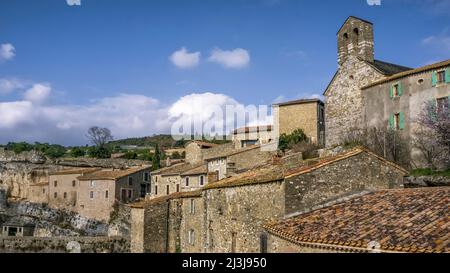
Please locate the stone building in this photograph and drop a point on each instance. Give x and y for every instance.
(18, 227)
(39, 193)
(230, 213)
(195, 178)
(306, 114)
(252, 135)
(397, 101)
(373, 222)
(357, 68)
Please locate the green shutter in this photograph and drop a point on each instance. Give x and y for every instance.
(447, 75)
(402, 121)
(400, 89)
(391, 92)
(391, 122)
(433, 78)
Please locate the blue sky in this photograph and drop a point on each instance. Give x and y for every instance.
(104, 62)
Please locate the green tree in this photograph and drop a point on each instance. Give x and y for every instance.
(99, 152)
(130, 155)
(55, 151)
(77, 152)
(156, 160)
(286, 141)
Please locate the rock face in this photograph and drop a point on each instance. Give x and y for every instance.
(426, 181)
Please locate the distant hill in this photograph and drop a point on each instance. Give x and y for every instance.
(163, 141)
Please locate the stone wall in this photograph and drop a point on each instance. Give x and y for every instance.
(60, 244)
(192, 221)
(235, 216)
(344, 107)
(355, 174)
(2, 199)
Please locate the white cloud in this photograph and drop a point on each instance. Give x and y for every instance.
(439, 42)
(9, 85)
(73, 2)
(237, 58)
(38, 92)
(183, 59)
(7, 52)
(14, 113)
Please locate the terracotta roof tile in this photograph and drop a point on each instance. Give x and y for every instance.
(112, 175)
(176, 195)
(382, 216)
(202, 169)
(251, 129)
(75, 171)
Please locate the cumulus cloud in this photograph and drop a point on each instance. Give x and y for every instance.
(236, 58)
(126, 115)
(7, 52)
(9, 85)
(440, 41)
(38, 93)
(183, 59)
(73, 2)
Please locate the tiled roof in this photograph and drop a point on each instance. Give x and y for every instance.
(410, 73)
(174, 169)
(400, 220)
(388, 68)
(202, 169)
(176, 195)
(75, 171)
(235, 152)
(203, 143)
(112, 175)
(300, 101)
(271, 172)
(251, 129)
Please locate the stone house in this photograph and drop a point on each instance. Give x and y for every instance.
(235, 209)
(366, 93)
(18, 227)
(306, 114)
(397, 101)
(195, 178)
(195, 149)
(39, 193)
(99, 191)
(357, 68)
(252, 135)
(379, 221)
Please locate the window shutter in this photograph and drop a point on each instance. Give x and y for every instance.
(391, 122)
(391, 92)
(400, 89)
(447, 75)
(433, 78)
(402, 121)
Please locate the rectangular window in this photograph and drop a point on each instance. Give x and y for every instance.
(187, 181)
(191, 237)
(55, 195)
(156, 190)
(397, 121)
(55, 183)
(92, 184)
(130, 194)
(91, 194)
(145, 176)
(395, 90)
(178, 187)
(65, 195)
(192, 206)
(441, 76)
(202, 180)
(442, 105)
(106, 194)
(123, 195)
(130, 181)
(167, 189)
(43, 191)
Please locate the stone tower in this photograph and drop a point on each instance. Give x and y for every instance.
(355, 37)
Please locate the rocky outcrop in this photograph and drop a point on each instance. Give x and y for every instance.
(426, 181)
(29, 157)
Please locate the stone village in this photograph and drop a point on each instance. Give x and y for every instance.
(241, 197)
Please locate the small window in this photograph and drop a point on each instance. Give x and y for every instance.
(352, 77)
(178, 187)
(130, 181)
(356, 31)
(397, 121)
(74, 183)
(420, 81)
(192, 206)
(156, 190)
(187, 181)
(345, 36)
(202, 180)
(395, 90)
(43, 191)
(65, 195)
(55, 183)
(156, 178)
(106, 194)
(55, 195)
(91, 194)
(145, 176)
(167, 189)
(441, 76)
(92, 184)
(130, 194)
(442, 105)
(191, 237)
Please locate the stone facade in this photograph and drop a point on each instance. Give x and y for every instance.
(230, 213)
(416, 90)
(248, 136)
(304, 114)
